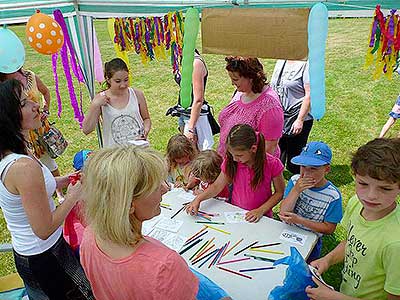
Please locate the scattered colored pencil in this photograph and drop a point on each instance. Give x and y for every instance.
(245, 248)
(190, 246)
(210, 222)
(210, 256)
(266, 245)
(165, 204)
(256, 269)
(204, 217)
(226, 247)
(182, 208)
(217, 229)
(210, 214)
(198, 232)
(202, 254)
(233, 260)
(260, 258)
(166, 207)
(267, 251)
(203, 257)
(206, 249)
(234, 272)
(195, 238)
(230, 249)
(201, 248)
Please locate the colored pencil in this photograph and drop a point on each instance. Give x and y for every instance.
(166, 207)
(233, 260)
(202, 254)
(204, 217)
(230, 249)
(195, 238)
(217, 256)
(209, 222)
(223, 253)
(245, 248)
(256, 269)
(205, 250)
(210, 214)
(234, 272)
(217, 229)
(190, 246)
(198, 232)
(210, 256)
(200, 259)
(182, 208)
(266, 245)
(267, 251)
(201, 248)
(164, 204)
(260, 258)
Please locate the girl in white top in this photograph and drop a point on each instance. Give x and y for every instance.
(42, 258)
(123, 109)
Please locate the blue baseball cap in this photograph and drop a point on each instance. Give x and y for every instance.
(314, 154)
(79, 159)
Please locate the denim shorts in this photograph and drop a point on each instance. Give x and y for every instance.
(54, 274)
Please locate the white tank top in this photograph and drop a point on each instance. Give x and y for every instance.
(120, 126)
(24, 241)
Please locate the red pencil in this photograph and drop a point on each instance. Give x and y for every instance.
(234, 272)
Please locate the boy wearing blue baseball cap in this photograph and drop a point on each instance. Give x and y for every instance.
(310, 200)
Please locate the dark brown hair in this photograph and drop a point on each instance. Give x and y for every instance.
(243, 137)
(113, 66)
(378, 159)
(207, 165)
(248, 67)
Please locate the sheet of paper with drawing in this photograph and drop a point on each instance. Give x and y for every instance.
(169, 224)
(235, 216)
(293, 237)
(148, 226)
(169, 239)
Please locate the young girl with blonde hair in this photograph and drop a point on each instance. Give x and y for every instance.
(251, 171)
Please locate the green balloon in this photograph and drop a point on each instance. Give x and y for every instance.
(191, 31)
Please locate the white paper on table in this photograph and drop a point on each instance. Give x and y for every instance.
(235, 216)
(169, 224)
(187, 196)
(148, 226)
(293, 237)
(169, 239)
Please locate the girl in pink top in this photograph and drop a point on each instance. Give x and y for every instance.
(255, 103)
(251, 171)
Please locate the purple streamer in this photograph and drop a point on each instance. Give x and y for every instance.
(54, 64)
(373, 32)
(75, 66)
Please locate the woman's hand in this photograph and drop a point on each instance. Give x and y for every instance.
(101, 99)
(193, 207)
(297, 127)
(254, 215)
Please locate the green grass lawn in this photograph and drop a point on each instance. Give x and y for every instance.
(356, 106)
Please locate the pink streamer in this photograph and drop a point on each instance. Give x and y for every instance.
(98, 64)
(54, 64)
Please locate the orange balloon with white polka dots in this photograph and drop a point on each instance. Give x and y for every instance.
(44, 34)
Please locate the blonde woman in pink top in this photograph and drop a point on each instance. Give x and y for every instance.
(118, 260)
(252, 172)
(255, 103)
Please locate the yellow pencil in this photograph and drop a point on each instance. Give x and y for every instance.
(267, 251)
(230, 249)
(165, 204)
(217, 229)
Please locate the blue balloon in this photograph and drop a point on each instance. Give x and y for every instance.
(12, 52)
(317, 34)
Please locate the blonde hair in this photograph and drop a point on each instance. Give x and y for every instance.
(179, 146)
(207, 165)
(113, 178)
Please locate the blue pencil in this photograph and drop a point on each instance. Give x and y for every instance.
(200, 259)
(211, 256)
(190, 246)
(195, 238)
(256, 269)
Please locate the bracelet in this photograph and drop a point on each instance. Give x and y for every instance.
(190, 130)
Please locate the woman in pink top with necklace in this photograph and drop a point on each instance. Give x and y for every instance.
(255, 103)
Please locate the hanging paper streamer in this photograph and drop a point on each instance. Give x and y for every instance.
(192, 22)
(150, 37)
(120, 54)
(384, 44)
(317, 34)
(98, 64)
(67, 52)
